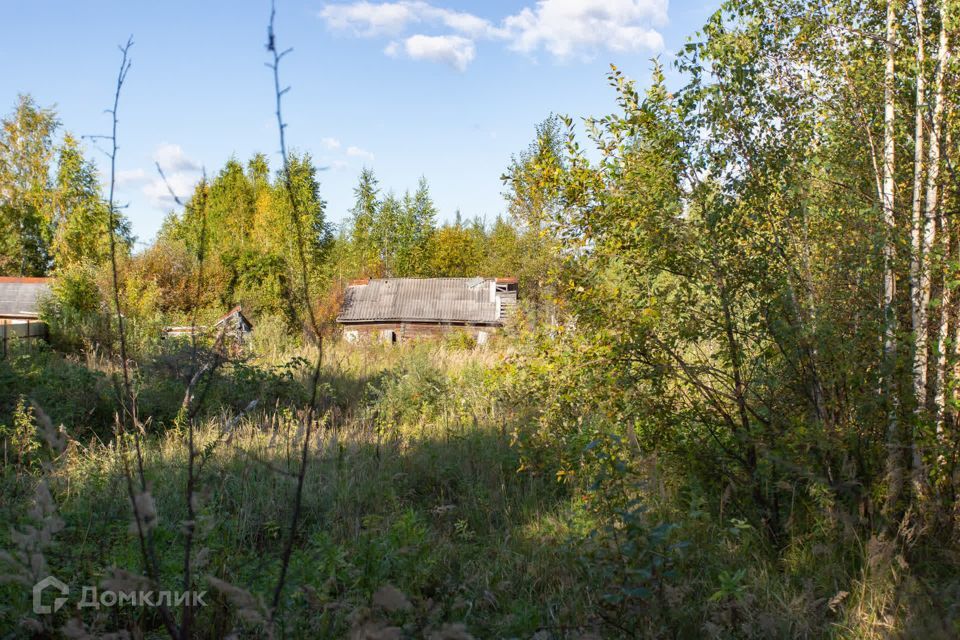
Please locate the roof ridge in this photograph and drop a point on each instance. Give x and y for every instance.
(24, 280)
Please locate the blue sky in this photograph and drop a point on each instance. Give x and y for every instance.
(448, 89)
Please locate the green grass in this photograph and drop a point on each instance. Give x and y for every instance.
(414, 482)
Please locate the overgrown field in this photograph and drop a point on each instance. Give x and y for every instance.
(424, 514)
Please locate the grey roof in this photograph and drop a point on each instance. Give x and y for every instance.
(455, 300)
(20, 297)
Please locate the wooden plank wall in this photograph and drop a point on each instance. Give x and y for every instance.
(413, 330)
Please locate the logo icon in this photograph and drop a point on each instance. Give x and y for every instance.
(40, 587)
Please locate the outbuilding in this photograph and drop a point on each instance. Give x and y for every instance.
(20, 300)
(399, 309)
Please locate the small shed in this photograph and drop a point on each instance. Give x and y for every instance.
(234, 325)
(399, 309)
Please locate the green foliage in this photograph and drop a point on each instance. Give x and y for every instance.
(76, 314)
(52, 211)
(456, 251)
(460, 340)
(81, 215)
(236, 242)
(718, 418)
(364, 220)
(19, 439)
(70, 393)
(634, 558)
(411, 393)
(536, 209)
(389, 236)
(26, 213)
(432, 507)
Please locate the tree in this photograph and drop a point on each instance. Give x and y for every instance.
(80, 216)
(505, 255)
(52, 210)
(415, 226)
(732, 258)
(385, 233)
(455, 251)
(538, 214)
(26, 208)
(238, 230)
(363, 219)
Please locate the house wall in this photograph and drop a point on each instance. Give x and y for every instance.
(401, 331)
(20, 329)
(19, 320)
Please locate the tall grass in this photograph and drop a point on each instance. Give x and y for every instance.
(418, 521)
(410, 484)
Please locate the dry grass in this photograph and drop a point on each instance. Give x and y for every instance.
(412, 482)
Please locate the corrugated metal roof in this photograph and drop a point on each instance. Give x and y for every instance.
(20, 297)
(420, 300)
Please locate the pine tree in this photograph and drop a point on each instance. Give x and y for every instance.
(363, 218)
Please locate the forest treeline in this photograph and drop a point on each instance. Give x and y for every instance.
(237, 224)
(746, 387)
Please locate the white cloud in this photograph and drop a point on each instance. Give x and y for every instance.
(171, 158)
(357, 152)
(369, 19)
(181, 183)
(563, 28)
(330, 143)
(582, 27)
(456, 51)
(334, 145)
(182, 174)
(130, 177)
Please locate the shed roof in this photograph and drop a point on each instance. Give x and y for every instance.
(20, 297)
(238, 312)
(457, 300)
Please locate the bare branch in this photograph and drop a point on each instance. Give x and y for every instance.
(166, 183)
(305, 292)
(128, 401)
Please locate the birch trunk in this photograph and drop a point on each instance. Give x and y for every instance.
(946, 309)
(933, 209)
(894, 457)
(919, 278)
(887, 196)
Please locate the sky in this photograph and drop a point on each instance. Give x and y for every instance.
(445, 89)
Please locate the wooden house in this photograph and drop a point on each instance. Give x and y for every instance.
(398, 309)
(20, 300)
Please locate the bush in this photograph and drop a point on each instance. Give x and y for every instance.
(462, 340)
(19, 438)
(76, 313)
(74, 395)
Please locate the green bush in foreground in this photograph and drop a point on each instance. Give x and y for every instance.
(424, 513)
